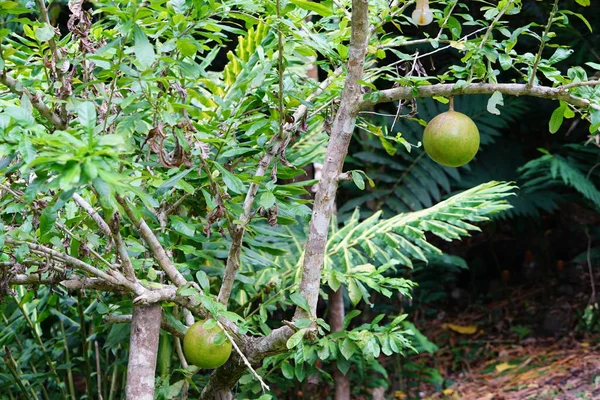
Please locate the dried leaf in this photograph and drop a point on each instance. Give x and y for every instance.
(462, 329)
(504, 366)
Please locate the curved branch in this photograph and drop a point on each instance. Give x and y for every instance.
(36, 100)
(341, 134)
(157, 249)
(449, 89)
(279, 143)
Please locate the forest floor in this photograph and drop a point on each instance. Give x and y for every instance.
(528, 344)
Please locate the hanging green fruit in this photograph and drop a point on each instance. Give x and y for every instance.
(451, 138)
(205, 345)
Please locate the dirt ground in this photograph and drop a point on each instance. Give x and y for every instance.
(529, 344)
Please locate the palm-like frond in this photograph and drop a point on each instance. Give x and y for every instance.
(552, 170)
(354, 250)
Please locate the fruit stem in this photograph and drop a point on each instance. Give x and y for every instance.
(451, 105)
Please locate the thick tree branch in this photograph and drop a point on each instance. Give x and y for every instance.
(36, 100)
(279, 143)
(73, 283)
(341, 134)
(448, 89)
(143, 352)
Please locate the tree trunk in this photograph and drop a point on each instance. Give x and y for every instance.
(143, 352)
(336, 320)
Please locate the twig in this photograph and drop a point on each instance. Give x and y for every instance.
(347, 13)
(98, 370)
(590, 268)
(578, 84)
(446, 20)
(67, 359)
(412, 42)
(81, 202)
(341, 135)
(151, 240)
(493, 24)
(538, 58)
(36, 100)
(263, 385)
(12, 368)
(46, 20)
(36, 335)
(65, 258)
(74, 283)
(181, 357)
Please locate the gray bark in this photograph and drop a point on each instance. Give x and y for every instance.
(336, 321)
(143, 352)
(341, 134)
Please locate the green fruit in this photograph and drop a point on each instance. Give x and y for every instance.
(451, 139)
(205, 345)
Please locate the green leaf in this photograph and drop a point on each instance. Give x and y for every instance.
(389, 148)
(300, 301)
(232, 182)
(559, 55)
(348, 348)
(287, 370)
(313, 6)
(353, 291)
(70, 177)
(494, 101)
(303, 323)
(556, 119)
(296, 339)
(584, 3)
(358, 180)
(349, 317)
(267, 200)
(144, 51)
(172, 181)
(44, 33)
(594, 65)
(186, 47)
(86, 114)
(581, 17)
(202, 279)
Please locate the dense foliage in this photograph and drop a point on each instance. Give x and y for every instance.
(152, 153)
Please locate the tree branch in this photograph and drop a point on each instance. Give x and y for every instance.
(36, 100)
(538, 57)
(448, 89)
(279, 143)
(157, 249)
(73, 283)
(341, 134)
(81, 202)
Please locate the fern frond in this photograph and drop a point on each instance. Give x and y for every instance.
(401, 239)
(552, 170)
